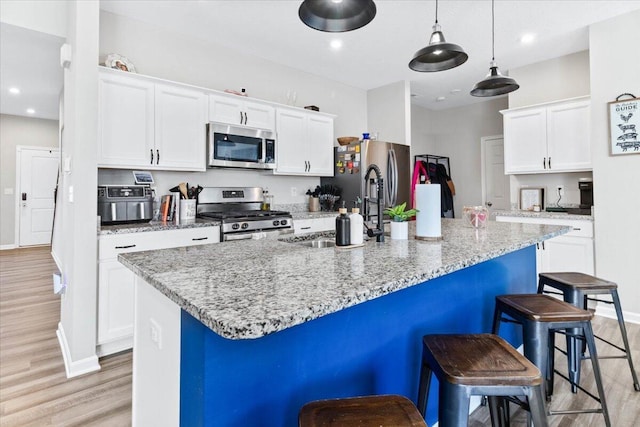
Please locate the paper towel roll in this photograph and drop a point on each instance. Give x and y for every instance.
(428, 223)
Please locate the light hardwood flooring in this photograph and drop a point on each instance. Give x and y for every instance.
(34, 390)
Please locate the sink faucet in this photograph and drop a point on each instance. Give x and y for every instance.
(378, 232)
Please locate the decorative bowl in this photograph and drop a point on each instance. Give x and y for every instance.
(346, 140)
(475, 216)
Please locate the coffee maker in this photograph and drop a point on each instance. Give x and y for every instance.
(586, 193)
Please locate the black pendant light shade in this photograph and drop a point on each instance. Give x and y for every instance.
(337, 16)
(438, 55)
(494, 84)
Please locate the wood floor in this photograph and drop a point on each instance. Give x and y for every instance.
(34, 390)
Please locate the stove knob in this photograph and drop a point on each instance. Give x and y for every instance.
(235, 226)
(245, 226)
(276, 223)
(283, 222)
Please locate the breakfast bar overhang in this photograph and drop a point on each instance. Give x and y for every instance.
(246, 333)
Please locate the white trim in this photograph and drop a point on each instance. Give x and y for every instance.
(16, 198)
(56, 259)
(7, 247)
(78, 367)
(610, 312)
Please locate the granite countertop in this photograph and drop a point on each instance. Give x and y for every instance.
(544, 214)
(313, 215)
(251, 288)
(154, 226)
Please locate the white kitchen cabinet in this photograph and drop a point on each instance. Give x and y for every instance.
(548, 138)
(314, 225)
(116, 282)
(235, 110)
(304, 143)
(571, 252)
(150, 125)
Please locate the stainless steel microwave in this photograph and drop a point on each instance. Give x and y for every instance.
(231, 146)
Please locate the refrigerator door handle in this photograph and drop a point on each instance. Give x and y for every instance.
(392, 178)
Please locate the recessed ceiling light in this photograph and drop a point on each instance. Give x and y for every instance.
(14, 90)
(455, 91)
(440, 99)
(31, 111)
(527, 38)
(336, 44)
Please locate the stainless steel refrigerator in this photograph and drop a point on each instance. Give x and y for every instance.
(351, 163)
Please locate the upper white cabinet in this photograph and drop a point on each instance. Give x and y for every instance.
(144, 124)
(548, 138)
(304, 143)
(235, 110)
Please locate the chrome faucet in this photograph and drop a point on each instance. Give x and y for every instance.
(378, 232)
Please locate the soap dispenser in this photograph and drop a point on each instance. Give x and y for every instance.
(343, 227)
(357, 225)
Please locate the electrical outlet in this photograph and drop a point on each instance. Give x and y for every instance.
(294, 191)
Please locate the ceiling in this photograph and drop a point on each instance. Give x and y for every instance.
(372, 56)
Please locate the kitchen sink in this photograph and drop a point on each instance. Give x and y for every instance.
(324, 243)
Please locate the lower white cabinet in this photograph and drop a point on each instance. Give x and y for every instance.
(314, 225)
(116, 282)
(571, 252)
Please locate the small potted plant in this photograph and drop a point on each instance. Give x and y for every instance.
(399, 218)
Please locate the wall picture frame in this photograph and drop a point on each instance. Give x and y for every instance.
(624, 123)
(530, 197)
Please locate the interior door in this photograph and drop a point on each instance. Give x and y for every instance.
(36, 186)
(496, 183)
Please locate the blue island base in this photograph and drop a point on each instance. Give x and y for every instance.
(371, 348)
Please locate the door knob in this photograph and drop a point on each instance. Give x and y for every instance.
(489, 204)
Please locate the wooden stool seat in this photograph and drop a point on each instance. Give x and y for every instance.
(575, 289)
(543, 308)
(482, 365)
(384, 411)
(494, 361)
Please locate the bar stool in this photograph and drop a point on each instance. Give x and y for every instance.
(384, 410)
(478, 364)
(576, 288)
(541, 316)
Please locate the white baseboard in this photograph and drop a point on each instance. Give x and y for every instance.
(610, 312)
(7, 247)
(77, 367)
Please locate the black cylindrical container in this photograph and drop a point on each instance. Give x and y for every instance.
(343, 228)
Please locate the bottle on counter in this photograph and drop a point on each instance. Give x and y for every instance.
(357, 224)
(343, 227)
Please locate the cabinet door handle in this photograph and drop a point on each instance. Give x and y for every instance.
(158, 157)
(544, 162)
(577, 229)
(125, 247)
(305, 228)
(151, 151)
(199, 238)
(246, 119)
(549, 161)
(537, 245)
(543, 245)
(309, 166)
(241, 118)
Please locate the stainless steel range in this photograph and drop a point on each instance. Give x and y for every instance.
(238, 208)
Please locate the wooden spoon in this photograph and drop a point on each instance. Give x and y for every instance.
(183, 190)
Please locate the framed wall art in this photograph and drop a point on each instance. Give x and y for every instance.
(624, 123)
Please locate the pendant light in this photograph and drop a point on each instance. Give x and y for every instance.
(494, 83)
(438, 55)
(337, 16)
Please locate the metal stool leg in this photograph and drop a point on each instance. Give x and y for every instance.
(536, 347)
(423, 388)
(498, 411)
(625, 340)
(551, 365)
(453, 406)
(574, 348)
(591, 345)
(536, 407)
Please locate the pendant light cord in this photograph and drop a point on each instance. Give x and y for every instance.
(493, 31)
(436, 11)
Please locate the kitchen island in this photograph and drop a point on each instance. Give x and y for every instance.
(244, 333)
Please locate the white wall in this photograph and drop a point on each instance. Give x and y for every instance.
(389, 113)
(616, 179)
(78, 314)
(161, 53)
(559, 78)
(45, 16)
(550, 183)
(456, 133)
(14, 131)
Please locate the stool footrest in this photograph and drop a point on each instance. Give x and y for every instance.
(576, 411)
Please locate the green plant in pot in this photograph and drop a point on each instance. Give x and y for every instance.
(399, 217)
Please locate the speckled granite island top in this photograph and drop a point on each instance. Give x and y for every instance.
(251, 288)
(154, 226)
